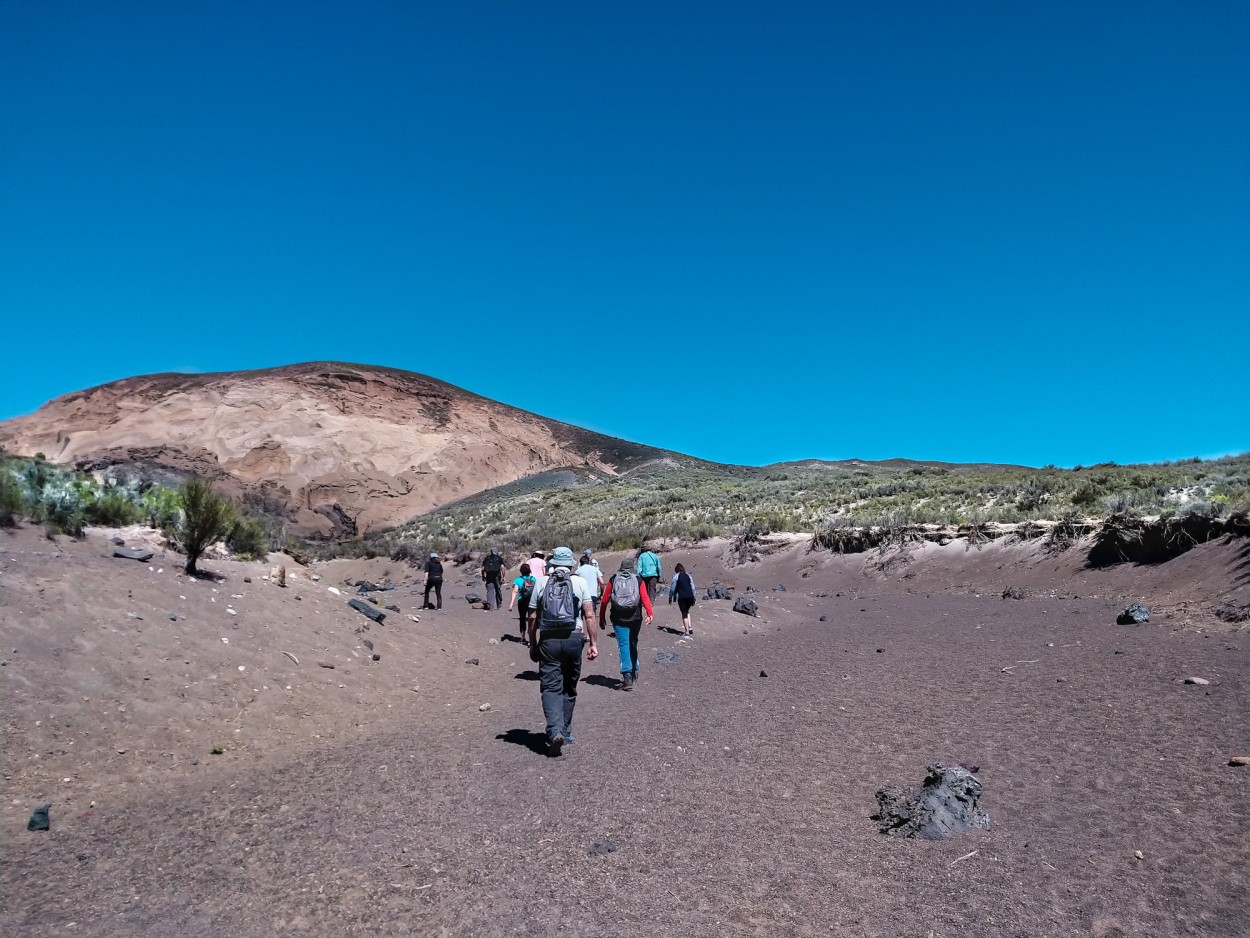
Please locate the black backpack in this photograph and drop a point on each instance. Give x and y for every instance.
(492, 564)
(559, 602)
(435, 571)
(526, 595)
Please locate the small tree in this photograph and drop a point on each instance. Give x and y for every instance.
(206, 517)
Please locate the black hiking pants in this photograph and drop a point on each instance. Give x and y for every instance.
(437, 586)
(559, 670)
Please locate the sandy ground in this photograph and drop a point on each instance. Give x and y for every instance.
(376, 798)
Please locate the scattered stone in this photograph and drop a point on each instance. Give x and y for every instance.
(278, 575)
(824, 618)
(1135, 614)
(746, 606)
(173, 617)
(751, 589)
(493, 641)
(368, 644)
(602, 849)
(880, 651)
(716, 591)
(291, 656)
(365, 586)
(118, 541)
(1015, 592)
(1239, 760)
(369, 612)
(133, 553)
(1200, 681)
(471, 597)
(484, 707)
(247, 579)
(944, 542)
(945, 805)
(763, 674)
(392, 608)
(333, 590)
(377, 657)
(779, 588)
(39, 820)
(473, 661)
(326, 664)
(665, 657)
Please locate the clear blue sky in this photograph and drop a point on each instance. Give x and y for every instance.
(1012, 232)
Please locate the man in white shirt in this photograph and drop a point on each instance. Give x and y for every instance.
(561, 624)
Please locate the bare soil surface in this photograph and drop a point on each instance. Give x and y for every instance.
(729, 794)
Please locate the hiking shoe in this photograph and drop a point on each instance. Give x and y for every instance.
(554, 745)
(569, 739)
(627, 681)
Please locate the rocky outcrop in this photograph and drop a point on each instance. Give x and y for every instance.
(345, 448)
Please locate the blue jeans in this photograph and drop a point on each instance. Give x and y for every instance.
(627, 643)
(559, 670)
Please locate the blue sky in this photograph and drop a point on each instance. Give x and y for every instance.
(967, 231)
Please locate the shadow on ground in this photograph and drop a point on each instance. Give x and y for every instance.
(602, 680)
(534, 742)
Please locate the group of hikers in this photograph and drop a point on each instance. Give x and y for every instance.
(562, 604)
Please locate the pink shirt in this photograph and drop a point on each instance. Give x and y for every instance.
(538, 566)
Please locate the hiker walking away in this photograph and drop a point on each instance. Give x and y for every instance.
(682, 590)
(588, 570)
(433, 581)
(560, 626)
(492, 575)
(588, 556)
(626, 603)
(649, 569)
(538, 566)
(522, 593)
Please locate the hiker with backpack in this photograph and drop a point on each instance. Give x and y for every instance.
(433, 581)
(561, 624)
(682, 590)
(588, 570)
(522, 593)
(626, 603)
(648, 568)
(492, 575)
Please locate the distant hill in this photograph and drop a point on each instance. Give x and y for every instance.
(346, 448)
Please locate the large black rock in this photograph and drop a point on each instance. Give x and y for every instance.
(1135, 614)
(372, 612)
(133, 553)
(746, 606)
(366, 586)
(472, 597)
(716, 591)
(945, 805)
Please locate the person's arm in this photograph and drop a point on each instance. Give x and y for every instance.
(516, 591)
(592, 646)
(646, 604)
(672, 589)
(603, 604)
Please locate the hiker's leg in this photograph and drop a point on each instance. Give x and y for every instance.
(622, 645)
(426, 603)
(523, 612)
(634, 631)
(551, 684)
(573, 648)
(438, 592)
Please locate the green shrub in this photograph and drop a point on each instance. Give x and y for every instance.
(206, 517)
(249, 539)
(11, 501)
(112, 508)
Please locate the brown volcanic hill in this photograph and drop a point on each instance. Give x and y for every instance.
(346, 447)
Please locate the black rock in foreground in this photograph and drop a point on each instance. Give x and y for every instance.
(946, 805)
